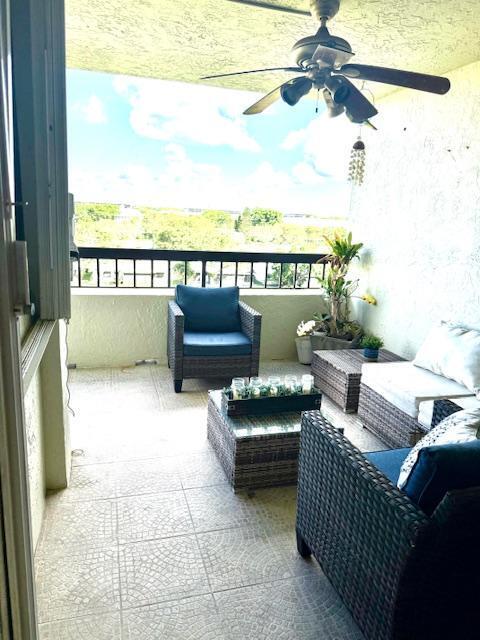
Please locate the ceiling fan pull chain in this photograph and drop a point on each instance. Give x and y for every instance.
(318, 98)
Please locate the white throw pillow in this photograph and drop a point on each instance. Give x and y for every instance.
(452, 352)
(462, 426)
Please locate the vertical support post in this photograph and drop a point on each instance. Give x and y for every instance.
(203, 273)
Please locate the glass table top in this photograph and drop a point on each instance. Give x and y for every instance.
(258, 425)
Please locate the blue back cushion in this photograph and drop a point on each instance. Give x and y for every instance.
(443, 468)
(389, 461)
(209, 309)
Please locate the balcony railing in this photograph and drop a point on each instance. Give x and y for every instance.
(162, 268)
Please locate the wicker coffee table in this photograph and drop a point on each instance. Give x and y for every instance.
(254, 451)
(337, 374)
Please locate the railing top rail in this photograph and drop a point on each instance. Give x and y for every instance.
(200, 256)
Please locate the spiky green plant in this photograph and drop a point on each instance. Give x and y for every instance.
(336, 286)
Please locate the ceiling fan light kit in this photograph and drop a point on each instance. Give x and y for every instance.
(323, 60)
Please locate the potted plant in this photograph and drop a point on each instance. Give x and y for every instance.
(303, 341)
(371, 344)
(335, 329)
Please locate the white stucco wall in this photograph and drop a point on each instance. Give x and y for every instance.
(35, 452)
(418, 212)
(117, 328)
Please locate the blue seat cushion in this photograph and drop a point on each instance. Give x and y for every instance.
(389, 462)
(202, 343)
(211, 310)
(442, 468)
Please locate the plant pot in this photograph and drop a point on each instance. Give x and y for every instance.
(370, 354)
(321, 341)
(304, 349)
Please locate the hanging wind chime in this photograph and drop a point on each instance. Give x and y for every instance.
(356, 167)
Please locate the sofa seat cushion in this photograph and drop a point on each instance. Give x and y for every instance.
(389, 462)
(212, 310)
(443, 468)
(230, 343)
(406, 386)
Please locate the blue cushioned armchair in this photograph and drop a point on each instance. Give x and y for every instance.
(211, 334)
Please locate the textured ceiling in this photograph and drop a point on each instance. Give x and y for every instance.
(185, 39)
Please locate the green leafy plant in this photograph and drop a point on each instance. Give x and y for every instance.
(371, 342)
(337, 287)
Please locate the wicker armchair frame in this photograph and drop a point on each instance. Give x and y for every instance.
(184, 367)
(402, 574)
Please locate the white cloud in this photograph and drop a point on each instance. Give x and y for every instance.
(201, 114)
(93, 111)
(326, 144)
(185, 183)
(304, 173)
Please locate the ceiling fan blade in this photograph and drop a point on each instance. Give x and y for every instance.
(344, 92)
(290, 98)
(240, 73)
(275, 7)
(264, 102)
(408, 79)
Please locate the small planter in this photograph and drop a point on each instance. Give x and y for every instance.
(304, 349)
(370, 354)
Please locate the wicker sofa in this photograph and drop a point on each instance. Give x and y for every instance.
(390, 399)
(403, 575)
(213, 344)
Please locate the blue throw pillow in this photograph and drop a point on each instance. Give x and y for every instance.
(209, 309)
(442, 468)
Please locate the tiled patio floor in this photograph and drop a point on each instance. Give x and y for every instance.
(150, 543)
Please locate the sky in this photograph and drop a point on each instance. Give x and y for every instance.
(159, 143)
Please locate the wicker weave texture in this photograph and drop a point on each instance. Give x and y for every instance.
(442, 409)
(262, 460)
(390, 424)
(403, 575)
(355, 522)
(338, 374)
(212, 367)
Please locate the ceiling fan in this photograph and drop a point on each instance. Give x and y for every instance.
(323, 62)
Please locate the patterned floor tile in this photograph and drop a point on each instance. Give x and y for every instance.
(143, 447)
(201, 470)
(161, 570)
(77, 523)
(218, 507)
(147, 517)
(240, 557)
(82, 582)
(304, 608)
(189, 619)
(145, 476)
(92, 482)
(103, 627)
